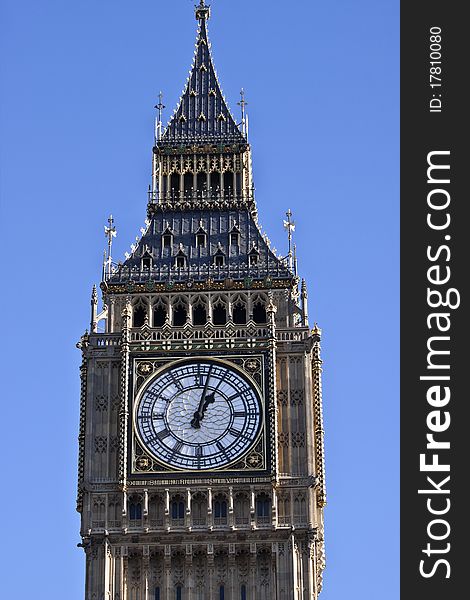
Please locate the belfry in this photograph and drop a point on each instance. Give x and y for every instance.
(201, 458)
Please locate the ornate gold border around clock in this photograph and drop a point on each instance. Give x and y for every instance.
(138, 389)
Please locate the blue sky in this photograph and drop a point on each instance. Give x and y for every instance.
(79, 81)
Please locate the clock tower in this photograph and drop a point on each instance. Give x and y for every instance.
(201, 462)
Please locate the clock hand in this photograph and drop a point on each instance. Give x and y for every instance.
(199, 414)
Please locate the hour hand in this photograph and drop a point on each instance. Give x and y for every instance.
(199, 414)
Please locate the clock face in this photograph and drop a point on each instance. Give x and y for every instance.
(198, 415)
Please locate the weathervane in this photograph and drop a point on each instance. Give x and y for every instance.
(242, 104)
(110, 233)
(289, 226)
(158, 122)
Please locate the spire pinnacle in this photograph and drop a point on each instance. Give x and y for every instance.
(289, 226)
(110, 233)
(242, 104)
(158, 123)
(203, 11)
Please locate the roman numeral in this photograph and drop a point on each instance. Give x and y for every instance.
(239, 413)
(164, 433)
(177, 447)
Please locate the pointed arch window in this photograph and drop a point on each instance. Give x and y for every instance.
(180, 313)
(253, 257)
(188, 184)
(219, 312)
(201, 182)
(179, 593)
(147, 261)
(228, 182)
(201, 238)
(259, 312)
(159, 315)
(175, 182)
(177, 508)
(199, 313)
(219, 258)
(167, 238)
(234, 236)
(139, 315)
(222, 592)
(263, 508)
(135, 510)
(243, 592)
(181, 259)
(239, 312)
(220, 510)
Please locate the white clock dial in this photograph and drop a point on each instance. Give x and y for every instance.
(198, 415)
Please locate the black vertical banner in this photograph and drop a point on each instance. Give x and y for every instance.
(435, 336)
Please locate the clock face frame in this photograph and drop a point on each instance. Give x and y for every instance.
(198, 414)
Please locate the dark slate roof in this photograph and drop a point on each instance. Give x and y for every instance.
(202, 114)
(200, 261)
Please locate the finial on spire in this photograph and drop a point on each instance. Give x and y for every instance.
(242, 104)
(203, 11)
(289, 226)
(110, 233)
(158, 121)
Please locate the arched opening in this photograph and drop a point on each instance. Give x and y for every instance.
(199, 314)
(242, 510)
(200, 240)
(259, 312)
(199, 510)
(253, 257)
(174, 182)
(135, 510)
(177, 508)
(147, 261)
(243, 592)
(167, 240)
(180, 315)
(239, 313)
(228, 182)
(180, 261)
(201, 182)
(219, 258)
(220, 510)
(188, 184)
(215, 182)
(159, 316)
(139, 316)
(219, 313)
(263, 508)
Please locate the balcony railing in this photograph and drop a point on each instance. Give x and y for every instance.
(168, 273)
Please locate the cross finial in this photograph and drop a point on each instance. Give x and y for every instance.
(242, 104)
(158, 121)
(110, 233)
(203, 11)
(289, 226)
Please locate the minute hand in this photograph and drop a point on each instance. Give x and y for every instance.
(199, 414)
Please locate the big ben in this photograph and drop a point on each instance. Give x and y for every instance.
(201, 459)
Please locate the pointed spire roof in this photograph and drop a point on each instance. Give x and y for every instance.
(202, 114)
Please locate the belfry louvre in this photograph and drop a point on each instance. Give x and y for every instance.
(201, 461)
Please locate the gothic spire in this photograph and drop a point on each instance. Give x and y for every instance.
(202, 114)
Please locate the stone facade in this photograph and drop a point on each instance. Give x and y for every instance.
(202, 283)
